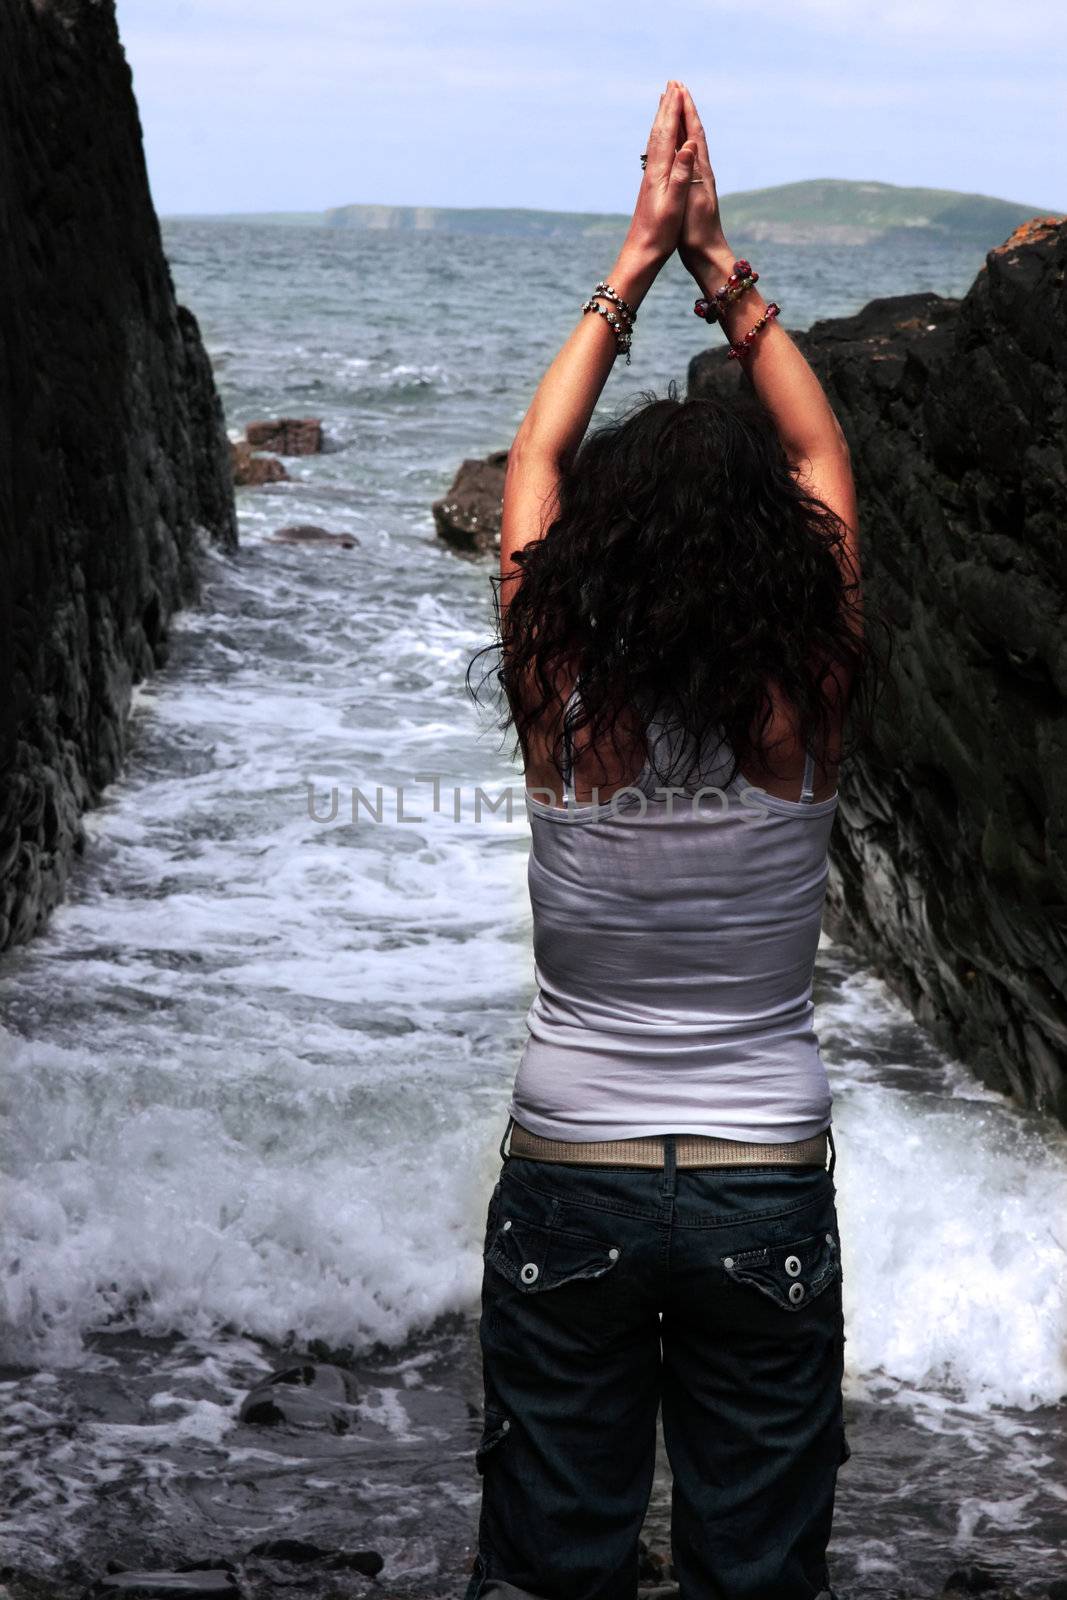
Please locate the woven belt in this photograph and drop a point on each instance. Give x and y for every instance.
(690, 1149)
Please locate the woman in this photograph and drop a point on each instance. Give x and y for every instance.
(681, 638)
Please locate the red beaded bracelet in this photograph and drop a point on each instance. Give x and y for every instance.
(741, 278)
(737, 350)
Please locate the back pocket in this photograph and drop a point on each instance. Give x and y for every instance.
(535, 1258)
(792, 1274)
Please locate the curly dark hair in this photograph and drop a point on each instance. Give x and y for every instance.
(684, 568)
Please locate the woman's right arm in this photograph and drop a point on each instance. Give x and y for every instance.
(781, 377)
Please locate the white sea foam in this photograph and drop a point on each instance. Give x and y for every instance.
(255, 1071)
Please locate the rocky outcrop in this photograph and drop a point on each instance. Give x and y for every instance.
(468, 516)
(251, 470)
(949, 861)
(287, 436)
(113, 455)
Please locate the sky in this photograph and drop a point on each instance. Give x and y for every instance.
(298, 105)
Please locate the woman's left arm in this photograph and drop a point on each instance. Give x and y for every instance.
(559, 414)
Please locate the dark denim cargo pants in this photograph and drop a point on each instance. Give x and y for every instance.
(744, 1263)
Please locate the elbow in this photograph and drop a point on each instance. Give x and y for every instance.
(828, 448)
(530, 454)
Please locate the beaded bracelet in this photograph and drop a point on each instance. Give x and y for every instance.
(619, 327)
(737, 350)
(608, 292)
(742, 277)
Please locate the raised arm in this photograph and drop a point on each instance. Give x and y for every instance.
(566, 397)
(785, 383)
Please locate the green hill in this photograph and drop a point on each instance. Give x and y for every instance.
(821, 210)
(443, 219)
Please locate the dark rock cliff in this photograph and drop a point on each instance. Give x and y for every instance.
(114, 463)
(949, 860)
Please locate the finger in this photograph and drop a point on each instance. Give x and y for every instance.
(670, 89)
(663, 139)
(657, 120)
(682, 167)
(672, 112)
(695, 128)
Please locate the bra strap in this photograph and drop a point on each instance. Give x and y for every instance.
(569, 797)
(807, 791)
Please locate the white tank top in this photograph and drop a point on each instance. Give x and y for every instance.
(674, 938)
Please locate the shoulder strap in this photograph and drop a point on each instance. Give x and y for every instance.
(807, 790)
(569, 797)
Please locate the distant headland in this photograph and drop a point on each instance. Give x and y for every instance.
(819, 211)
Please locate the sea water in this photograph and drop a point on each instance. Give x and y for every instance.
(255, 1069)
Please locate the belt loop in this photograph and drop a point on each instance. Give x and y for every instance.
(506, 1156)
(669, 1165)
(833, 1151)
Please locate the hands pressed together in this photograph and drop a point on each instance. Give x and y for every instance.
(677, 206)
(677, 209)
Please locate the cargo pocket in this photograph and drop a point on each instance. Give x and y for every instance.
(791, 1274)
(535, 1258)
(495, 1430)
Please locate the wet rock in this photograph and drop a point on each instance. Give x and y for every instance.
(948, 866)
(1000, 1590)
(307, 533)
(196, 1583)
(287, 436)
(114, 468)
(300, 1552)
(655, 1574)
(971, 1580)
(309, 1395)
(17, 1584)
(369, 1562)
(288, 1550)
(468, 516)
(652, 1565)
(251, 470)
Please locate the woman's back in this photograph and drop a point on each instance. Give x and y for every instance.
(675, 931)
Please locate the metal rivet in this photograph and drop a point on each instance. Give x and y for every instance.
(613, 1254)
(796, 1292)
(507, 1225)
(830, 1240)
(728, 1261)
(529, 1272)
(505, 1425)
(792, 1265)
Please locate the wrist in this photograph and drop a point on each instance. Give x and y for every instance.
(635, 271)
(713, 266)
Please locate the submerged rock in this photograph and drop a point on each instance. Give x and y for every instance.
(251, 470)
(949, 861)
(300, 1552)
(468, 516)
(979, 1580)
(309, 1395)
(114, 468)
(193, 1583)
(287, 436)
(307, 533)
